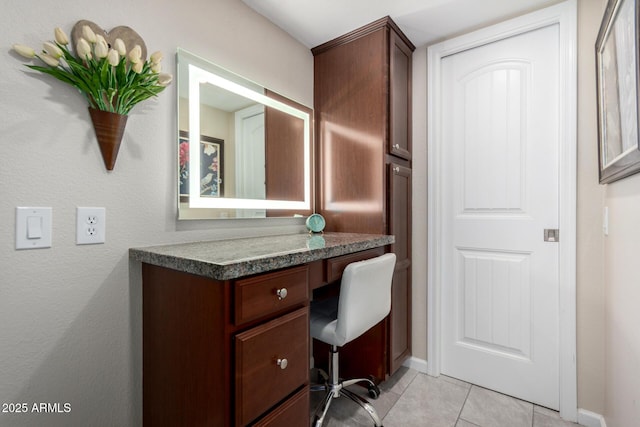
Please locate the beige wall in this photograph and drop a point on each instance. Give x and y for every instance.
(608, 279)
(609, 282)
(622, 299)
(70, 315)
(590, 285)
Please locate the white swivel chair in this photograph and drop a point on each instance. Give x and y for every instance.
(365, 299)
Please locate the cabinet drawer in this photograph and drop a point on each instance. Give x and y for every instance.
(292, 413)
(272, 361)
(335, 266)
(259, 296)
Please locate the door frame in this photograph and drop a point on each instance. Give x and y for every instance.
(563, 14)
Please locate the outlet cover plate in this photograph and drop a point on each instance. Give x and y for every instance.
(90, 225)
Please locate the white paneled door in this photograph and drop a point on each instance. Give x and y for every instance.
(250, 158)
(499, 306)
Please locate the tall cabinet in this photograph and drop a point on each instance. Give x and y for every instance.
(362, 95)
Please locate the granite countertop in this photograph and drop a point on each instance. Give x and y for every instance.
(229, 259)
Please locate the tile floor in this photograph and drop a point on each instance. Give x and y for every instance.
(412, 399)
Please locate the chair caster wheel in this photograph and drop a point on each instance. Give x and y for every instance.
(374, 391)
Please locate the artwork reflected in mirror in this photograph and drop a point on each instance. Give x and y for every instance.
(211, 166)
(252, 156)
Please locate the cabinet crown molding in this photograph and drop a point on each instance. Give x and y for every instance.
(361, 32)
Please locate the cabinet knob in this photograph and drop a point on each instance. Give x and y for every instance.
(396, 146)
(396, 169)
(282, 363)
(282, 294)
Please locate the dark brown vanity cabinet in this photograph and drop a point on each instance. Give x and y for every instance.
(362, 97)
(225, 353)
(225, 326)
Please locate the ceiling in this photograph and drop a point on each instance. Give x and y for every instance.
(313, 22)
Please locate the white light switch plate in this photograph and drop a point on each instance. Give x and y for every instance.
(33, 228)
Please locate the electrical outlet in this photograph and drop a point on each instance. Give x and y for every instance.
(90, 226)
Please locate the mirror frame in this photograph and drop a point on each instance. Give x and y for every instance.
(197, 76)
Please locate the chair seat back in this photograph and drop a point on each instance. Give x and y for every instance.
(365, 296)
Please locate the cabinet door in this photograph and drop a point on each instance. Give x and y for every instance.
(400, 210)
(400, 226)
(400, 319)
(400, 98)
(186, 349)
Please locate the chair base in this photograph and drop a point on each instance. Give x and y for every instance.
(335, 388)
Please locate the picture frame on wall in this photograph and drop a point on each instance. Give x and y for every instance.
(211, 166)
(617, 68)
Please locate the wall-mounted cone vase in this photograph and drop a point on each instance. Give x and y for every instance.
(109, 128)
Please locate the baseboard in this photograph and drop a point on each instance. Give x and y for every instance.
(590, 419)
(419, 365)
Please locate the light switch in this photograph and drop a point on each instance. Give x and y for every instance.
(33, 228)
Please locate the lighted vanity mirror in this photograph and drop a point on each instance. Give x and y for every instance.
(243, 150)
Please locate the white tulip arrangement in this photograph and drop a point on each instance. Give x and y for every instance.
(110, 77)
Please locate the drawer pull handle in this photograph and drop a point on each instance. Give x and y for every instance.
(282, 294)
(396, 146)
(282, 363)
